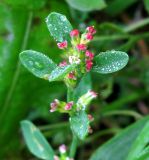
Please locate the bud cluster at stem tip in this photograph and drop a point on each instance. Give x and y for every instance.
(78, 52)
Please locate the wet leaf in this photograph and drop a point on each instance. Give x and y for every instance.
(60, 72)
(110, 61)
(36, 142)
(79, 124)
(58, 26)
(37, 63)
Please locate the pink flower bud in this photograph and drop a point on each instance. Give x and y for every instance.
(74, 33)
(62, 45)
(90, 117)
(63, 64)
(89, 36)
(90, 130)
(91, 29)
(69, 105)
(62, 148)
(89, 54)
(54, 105)
(71, 75)
(56, 157)
(81, 47)
(89, 65)
(93, 94)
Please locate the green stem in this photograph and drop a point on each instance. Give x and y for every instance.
(123, 101)
(16, 75)
(120, 36)
(137, 25)
(124, 112)
(101, 133)
(69, 94)
(73, 146)
(53, 126)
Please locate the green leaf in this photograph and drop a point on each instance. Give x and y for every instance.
(36, 142)
(37, 63)
(79, 124)
(119, 146)
(110, 61)
(84, 86)
(29, 4)
(60, 72)
(146, 3)
(87, 5)
(140, 144)
(59, 26)
(117, 6)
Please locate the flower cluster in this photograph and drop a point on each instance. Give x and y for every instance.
(63, 153)
(78, 52)
(69, 107)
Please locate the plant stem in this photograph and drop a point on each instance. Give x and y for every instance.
(137, 25)
(17, 72)
(124, 112)
(73, 147)
(53, 126)
(69, 94)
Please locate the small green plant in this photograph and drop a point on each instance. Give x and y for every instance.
(78, 61)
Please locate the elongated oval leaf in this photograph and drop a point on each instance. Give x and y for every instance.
(79, 124)
(87, 5)
(36, 142)
(60, 72)
(58, 26)
(84, 86)
(119, 146)
(110, 61)
(37, 63)
(140, 143)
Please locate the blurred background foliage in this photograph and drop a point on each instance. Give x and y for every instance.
(121, 25)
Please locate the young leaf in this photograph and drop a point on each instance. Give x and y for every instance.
(37, 63)
(36, 142)
(119, 146)
(140, 143)
(79, 124)
(146, 3)
(60, 72)
(59, 26)
(87, 5)
(84, 86)
(110, 61)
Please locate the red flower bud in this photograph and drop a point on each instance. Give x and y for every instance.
(71, 75)
(90, 117)
(62, 45)
(89, 36)
(89, 65)
(62, 148)
(91, 29)
(90, 130)
(62, 64)
(69, 105)
(54, 105)
(56, 157)
(81, 47)
(89, 54)
(94, 94)
(74, 33)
